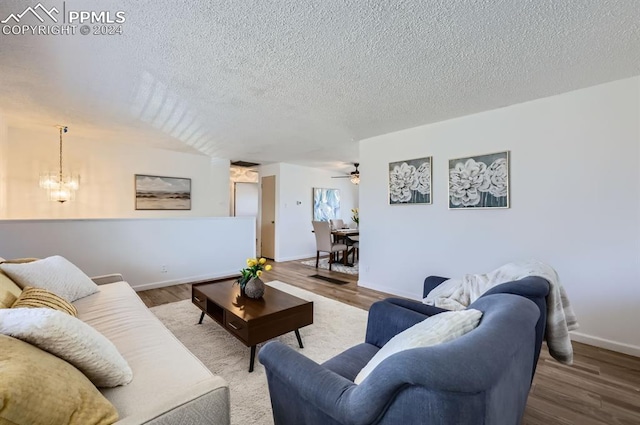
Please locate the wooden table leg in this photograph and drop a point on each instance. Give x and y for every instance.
(253, 358)
(299, 338)
(201, 317)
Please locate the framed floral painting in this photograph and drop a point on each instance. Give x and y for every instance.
(410, 181)
(480, 181)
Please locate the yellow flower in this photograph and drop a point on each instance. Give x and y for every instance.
(263, 260)
(267, 267)
(251, 262)
(259, 273)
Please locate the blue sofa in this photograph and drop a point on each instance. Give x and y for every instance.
(482, 377)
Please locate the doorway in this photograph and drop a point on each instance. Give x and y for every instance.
(268, 218)
(246, 203)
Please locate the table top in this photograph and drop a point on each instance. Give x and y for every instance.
(227, 295)
(346, 232)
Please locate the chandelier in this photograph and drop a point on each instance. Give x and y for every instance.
(355, 178)
(60, 187)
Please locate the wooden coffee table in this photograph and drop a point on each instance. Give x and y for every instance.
(252, 321)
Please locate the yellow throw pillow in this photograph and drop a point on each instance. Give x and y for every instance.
(38, 298)
(38, 388)
(9, 291)
(18, 260)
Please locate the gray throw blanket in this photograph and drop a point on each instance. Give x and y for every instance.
(457, 294)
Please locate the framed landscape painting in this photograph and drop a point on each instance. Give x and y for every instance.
(326, 204)
(410, 181)
(480, 181)
(162, 193)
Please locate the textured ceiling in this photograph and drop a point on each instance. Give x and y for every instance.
(303, 81)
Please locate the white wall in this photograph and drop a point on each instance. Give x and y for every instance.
(107, 177)
(575, 204)
(294, 206)
(3, 166)
(191, 249)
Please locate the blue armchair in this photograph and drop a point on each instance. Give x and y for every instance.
(482, 377)
(534, 288)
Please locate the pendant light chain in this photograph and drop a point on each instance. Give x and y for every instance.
(60, 174)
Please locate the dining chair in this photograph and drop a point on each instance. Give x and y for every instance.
(337, 223)
(322, 231)
(354, 243)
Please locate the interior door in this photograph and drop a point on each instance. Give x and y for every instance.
(268, 217)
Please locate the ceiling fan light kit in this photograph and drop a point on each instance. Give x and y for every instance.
(354, 176)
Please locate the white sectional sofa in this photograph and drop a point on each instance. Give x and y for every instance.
(170, 385)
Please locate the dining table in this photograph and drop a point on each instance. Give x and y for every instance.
(353, 235)
(346, 234)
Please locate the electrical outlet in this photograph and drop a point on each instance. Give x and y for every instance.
(163, 269)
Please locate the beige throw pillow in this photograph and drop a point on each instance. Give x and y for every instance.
(55, 274)
(434, 330)
(70, 339)
(37, 388)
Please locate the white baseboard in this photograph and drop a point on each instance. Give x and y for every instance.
(388, 290)
(620, 347)
(162, 284)
(298, 257)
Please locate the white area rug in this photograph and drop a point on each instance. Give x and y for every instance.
(336, 327)
(324, 264)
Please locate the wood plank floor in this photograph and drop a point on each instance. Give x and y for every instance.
(601, 388)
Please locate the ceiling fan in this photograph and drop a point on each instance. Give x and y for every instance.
(354, 175)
